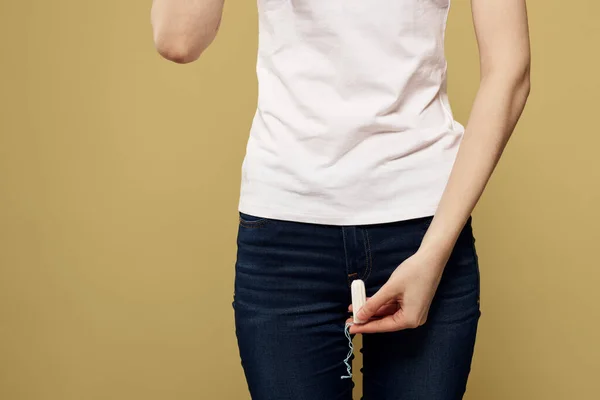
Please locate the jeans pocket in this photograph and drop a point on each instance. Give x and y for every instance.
(252, 221)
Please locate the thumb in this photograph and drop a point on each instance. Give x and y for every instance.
(374, 303)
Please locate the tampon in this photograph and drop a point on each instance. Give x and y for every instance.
(359, 298)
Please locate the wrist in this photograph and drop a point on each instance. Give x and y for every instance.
(436, 246)
(432, 263)
(436, 250)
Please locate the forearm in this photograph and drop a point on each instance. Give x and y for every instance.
(496, 110)
(183, 29)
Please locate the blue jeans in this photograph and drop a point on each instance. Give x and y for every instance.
(292, 291)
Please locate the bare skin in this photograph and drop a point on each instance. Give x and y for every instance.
(183, 29)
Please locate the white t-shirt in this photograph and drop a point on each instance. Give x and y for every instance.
(353, 124)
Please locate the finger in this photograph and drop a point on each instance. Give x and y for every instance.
(350, 308)
(390, 323)
(383, 296)
(389, 303)
(387, 309)
(351, 320)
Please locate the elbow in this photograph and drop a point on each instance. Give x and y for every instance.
(180, 46)
(523, 86)
(179, 36)
(178, 49)
(523, 78)
(520, 85)
(514, 76)
(527, 82)
(177, 53)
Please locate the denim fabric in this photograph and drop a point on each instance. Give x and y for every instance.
(292, 291)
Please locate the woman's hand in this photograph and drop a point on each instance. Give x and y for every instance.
(403, 301)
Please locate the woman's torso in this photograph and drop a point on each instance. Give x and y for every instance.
(353, 123)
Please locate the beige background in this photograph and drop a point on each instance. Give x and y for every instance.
(119, 177)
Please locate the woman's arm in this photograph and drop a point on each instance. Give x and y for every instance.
(503, 38)
(502, 35)
(183, 29)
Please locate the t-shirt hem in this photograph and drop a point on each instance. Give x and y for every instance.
(399, 213)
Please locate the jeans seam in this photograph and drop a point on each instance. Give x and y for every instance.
(368, 256)
(348, 274)
(345, 250)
